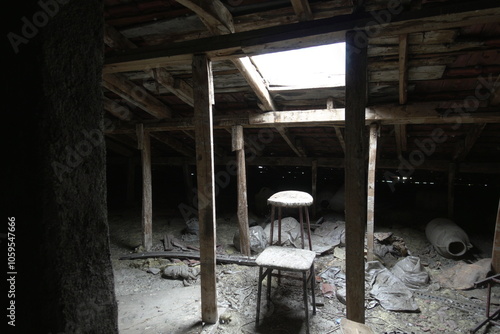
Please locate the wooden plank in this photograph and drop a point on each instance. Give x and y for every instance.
(176, 86)
(370, 214)
(136, 95)
(355, 176)
(403, 68)
(302, 10)
(222, 259)
(203, 101)
(147, 194)
(401, 140)
(242, 210)
(495, 257)
(115, 40)
(303, 34)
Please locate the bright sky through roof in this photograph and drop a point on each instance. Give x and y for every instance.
(314, 67)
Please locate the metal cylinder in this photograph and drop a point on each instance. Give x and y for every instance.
(448, 238)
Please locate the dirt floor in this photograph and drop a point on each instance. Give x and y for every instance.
(150, 303)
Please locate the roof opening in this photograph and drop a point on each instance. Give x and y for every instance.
(314, 67)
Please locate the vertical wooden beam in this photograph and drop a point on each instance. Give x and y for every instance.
(400, 134)
(314, 185)
(355, 176)
(144, 143)
(452, 170)
(370, 214)
(495, 257)
(203, 124)
(238, 145)
(403, 68)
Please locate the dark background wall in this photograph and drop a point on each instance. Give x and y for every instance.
(55, 177)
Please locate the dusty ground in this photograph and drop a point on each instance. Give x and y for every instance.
(149, 303)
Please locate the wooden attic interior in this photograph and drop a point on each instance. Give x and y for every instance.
(430, 70)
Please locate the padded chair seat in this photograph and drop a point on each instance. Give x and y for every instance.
(290, 198)
(284, 258)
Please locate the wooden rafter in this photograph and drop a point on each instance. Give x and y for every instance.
(338, 131)
(136, 95)
(173, 143)
(302, 10)
(177, 86)
(285, 133)
(115, 40)
(213, 14)
(302, 34)
(117, 110)
(403, 68)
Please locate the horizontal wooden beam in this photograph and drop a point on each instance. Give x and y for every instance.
(391, 21)
(421, 113)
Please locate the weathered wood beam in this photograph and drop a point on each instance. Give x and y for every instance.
(338, 131)
(223, 259)
(143, 140)
(309, 33)
(256, 82)
(238, 145)
(176, 86)
(302, 10)
(424, 113)
(213, 14)
(370, 214)
(401, 141)
(115, 40)
(285, 133)
(136, 95)
(403, 68)
(465, 146)
(355, 176)
(203, 101)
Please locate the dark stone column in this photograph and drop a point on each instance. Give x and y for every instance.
(56, 175)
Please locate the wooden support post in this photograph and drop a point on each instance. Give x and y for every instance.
(495, 257)
(403, 68)
(355, 176)
(370, 213)
(203, 123)
(451, 189)
(314, 185)
(238, 145)
(144, 144)
(130, 180)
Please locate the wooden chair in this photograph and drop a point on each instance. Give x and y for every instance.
(287, 258)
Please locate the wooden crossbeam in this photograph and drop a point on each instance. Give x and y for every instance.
(136, 95)
(115, 40)
(173, 143)
(119, 111)
(285, 133)
(178, 87)
(302, 34)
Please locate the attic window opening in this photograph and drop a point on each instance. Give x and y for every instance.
(314, 67)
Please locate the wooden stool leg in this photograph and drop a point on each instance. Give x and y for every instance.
(279, 239)
(308, 227)
(272, 225)
(259, 291)
(313, 284)
(268, 295)
(301, 219)
(304, 285)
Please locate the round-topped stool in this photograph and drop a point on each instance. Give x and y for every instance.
(291, 199)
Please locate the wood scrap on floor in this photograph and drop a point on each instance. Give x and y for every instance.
(223, 259)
